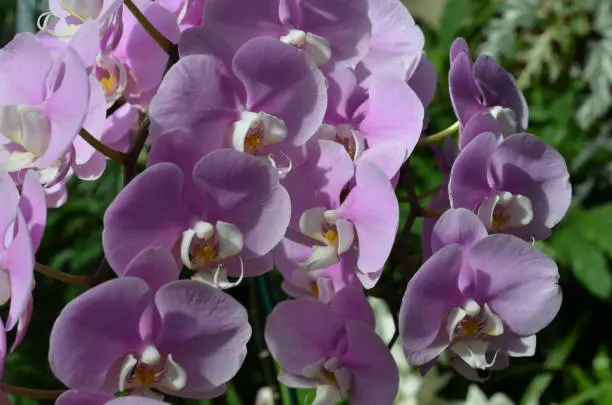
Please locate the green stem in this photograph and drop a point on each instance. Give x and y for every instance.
(440, 136)
(100, 147)
(63, 277)
(163, 42)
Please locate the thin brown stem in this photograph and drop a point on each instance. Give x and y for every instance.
(163, 42)
(29, 392)
(100, 147)
(131, 161)
(429, 213)
(440, 136)
(63, 277)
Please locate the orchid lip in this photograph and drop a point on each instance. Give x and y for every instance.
(506, 118)
(329, 228)
(256, 130)
(204, 249)
(505, 210)
(151, 370)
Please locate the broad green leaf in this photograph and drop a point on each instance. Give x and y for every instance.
(455, 15)
(588, 263)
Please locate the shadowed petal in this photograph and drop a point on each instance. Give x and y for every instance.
(97, 329)
(519, 282)
(146, 213)
(206, 332)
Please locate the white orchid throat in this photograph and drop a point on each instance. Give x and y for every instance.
(151, 370)
(345, 135)
(468, 328)
(506, 118)
(29, 130)
(336, 234)
(205, 247)
(333, 381)
(113, 77)
(505, 210)
(314, 45)
(255, 131)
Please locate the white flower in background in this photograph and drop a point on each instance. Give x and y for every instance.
(265, 396)
(413, 389)
(476, 397)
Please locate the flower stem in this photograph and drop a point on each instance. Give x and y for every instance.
(440, 136)
(28, 392)
(429, 213)
(163, 42)
(100, 147)
(63, 277)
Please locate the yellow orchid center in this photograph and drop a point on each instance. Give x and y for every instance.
(331, 236)
(252, 142)
(499, 221)
(146, 376)
(470, 326)
(207, 253)
(330, 377)
(109, 84)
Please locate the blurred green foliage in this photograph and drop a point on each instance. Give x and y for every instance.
(561, 53)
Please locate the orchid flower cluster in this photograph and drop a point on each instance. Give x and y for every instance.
(276, 132)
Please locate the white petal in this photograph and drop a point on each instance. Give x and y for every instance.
(314, 371)
(5, 287)
(186, 239)
(221, 281)
(346, 235)
(321, 257)
(343, 377)
(326, 132)
(18, 161)
(294, 37)
(204, 230)
(327, 395)
(150, 355)
(248, 120)
(317, 48)
(471, 307)
(230, 240)
(175, 378)
(494, 325)
(473, 353)
(311, 223)
(275, 129)
(36, 130)
(455, 316)
(519, 211)
(486, 209)
(126, 369)
(10, 123)
(506, 118)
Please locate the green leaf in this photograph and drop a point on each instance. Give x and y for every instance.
(456, 13)
(588, 263)
(555, 359)
(601, 365)
(589, 395)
